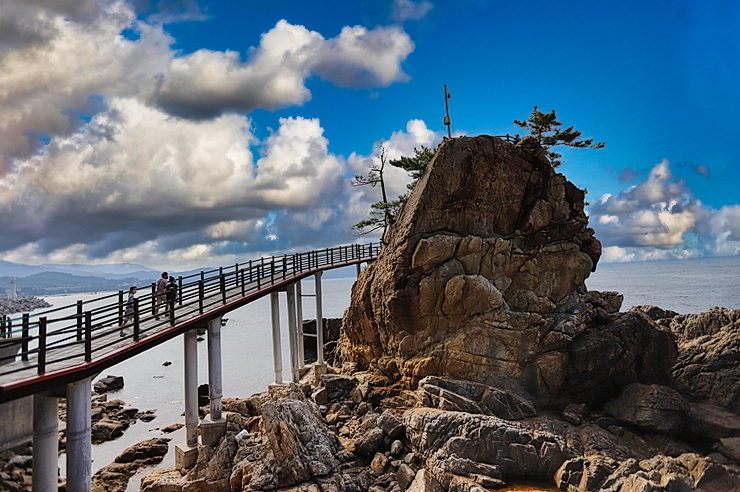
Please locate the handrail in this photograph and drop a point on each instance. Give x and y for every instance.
(48, 343)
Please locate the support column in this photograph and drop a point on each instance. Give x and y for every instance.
(186, 453)
(45, 443)
(214, 425)
(79, 441)
(299, 310)
(293, 333)
(277, 351)
(359, 269)
(319, 322)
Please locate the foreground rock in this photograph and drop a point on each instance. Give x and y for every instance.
(483, 279)
(370, 438)
(708, 367)
(114, 477)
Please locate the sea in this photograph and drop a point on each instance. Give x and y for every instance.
(685, 286)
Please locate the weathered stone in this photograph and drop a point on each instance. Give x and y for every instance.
(424, 482)
(730, 447)
(653, 407)
(405, 475)
(710, 421)
(390, 424)
(369, 442)
(483, 280)
(708, 365)
(379, 463)
(499, 448)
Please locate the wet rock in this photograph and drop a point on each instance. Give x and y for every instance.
(108, 383)
(114, 477)
(105, 430)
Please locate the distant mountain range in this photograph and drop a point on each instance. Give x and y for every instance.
(10, 269)
(49, 279)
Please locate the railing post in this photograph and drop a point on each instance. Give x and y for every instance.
(88, 336)
(200, 295)
(272, 271)
(250, 271)
(259, 276)
(243, 288)
(154, 299)
(42, 345)
(120, 307)
(179, 290)
(2, 326)
(236, 274)
(332, 256)
(222, 279)
(172, 311)
(79, 321)
(137, 327)
(285, 265)
(24, 334)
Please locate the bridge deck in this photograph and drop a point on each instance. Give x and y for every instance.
(55, 351)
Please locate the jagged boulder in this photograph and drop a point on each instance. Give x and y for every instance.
(482, 279)
(708, 365)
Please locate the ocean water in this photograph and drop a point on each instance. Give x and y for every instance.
(686, 286)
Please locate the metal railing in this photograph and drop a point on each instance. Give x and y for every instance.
(48, 341)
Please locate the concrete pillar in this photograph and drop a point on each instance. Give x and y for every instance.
(293, 333)
(215, 384)
(45, 443)
(214, 425)
(277, 353)
(299, 314)
(319, 321)
(79, 442)
(187, 452)
(358, 267)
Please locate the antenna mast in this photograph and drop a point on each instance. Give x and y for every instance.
(446, 119)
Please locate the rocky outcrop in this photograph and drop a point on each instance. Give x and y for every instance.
(483, 279)
(708, 365)
(21, 304)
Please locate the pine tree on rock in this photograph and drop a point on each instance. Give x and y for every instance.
(545, 127)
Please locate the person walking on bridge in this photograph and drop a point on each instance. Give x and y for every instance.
(129, 309)
(171, 296)
(161, 294)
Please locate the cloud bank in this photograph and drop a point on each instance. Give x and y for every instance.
(659, 218)
(62, 59)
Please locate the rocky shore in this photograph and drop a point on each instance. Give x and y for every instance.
(21, 304)
(472, 357)
(109, 419)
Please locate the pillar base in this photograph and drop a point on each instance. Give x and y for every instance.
(319, 370)
(284, 384)
(185, 456)
(211, 431)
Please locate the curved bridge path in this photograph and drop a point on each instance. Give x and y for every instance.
(54, 354)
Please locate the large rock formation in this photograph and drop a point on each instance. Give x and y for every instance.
(483, 279)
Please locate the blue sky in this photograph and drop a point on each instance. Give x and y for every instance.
(178, 134)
